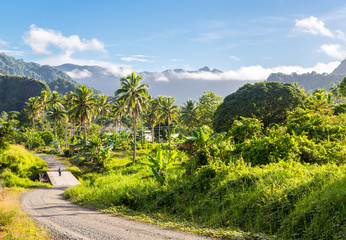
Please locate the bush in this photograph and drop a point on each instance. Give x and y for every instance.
(22, 162)
(13, 180)
(48, 137)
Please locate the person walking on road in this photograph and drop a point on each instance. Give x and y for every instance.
(59, 170)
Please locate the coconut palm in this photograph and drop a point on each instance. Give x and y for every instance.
(152, 116)
(44, 98)
(56, 113)
(83, 109)
(169, 113)
(55, 99)
(102, 106)
(68, 103)
(158, 101)
(189, 114)
(133, 95)
(33, 109)
(117, 112)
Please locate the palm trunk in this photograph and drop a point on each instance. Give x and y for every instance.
(84, 132)
(159, 132)
(33, 123)
(169, 139)
(55, 130)
(42, 128)
(134, 136)
(66, 136)
(152, 133)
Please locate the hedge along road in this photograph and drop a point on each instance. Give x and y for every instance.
(70, 221)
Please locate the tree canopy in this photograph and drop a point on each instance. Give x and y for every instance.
(266, 101)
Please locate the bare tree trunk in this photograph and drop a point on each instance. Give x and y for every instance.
(152, 133)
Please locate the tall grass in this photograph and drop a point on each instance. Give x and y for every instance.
(288, 199)
(14, 223)
(18, 167)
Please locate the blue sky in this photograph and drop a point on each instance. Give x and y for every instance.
(245, 39)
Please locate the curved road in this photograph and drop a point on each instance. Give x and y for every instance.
(70, 221)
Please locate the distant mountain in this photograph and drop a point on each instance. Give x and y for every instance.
(313, 80)
(178, 83)
(11, 66)
(16, 90)
(92, 76)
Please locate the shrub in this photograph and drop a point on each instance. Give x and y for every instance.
(48, 137)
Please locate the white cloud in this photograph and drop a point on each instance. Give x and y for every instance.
(234, 58)
(14, 53)
(334, 50)
(40, 39)
(313, 26)
(77, 73)
(112, 68)
(255, 73)
(136, 58)
(340, 35)
(3, 43)
(176, 60)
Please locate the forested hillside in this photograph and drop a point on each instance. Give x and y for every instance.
(16, 90)
(310, 81)
(10, 65)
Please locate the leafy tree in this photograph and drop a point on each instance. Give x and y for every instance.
(6, 131)
(269, 102)
(44, 98)
(189, 114)
(33, 109)
(133, 95)
(169, 113)
(102, 106)
(342, 87)
(206, 106)
(56, 113)
(152, 116)
(83, 107)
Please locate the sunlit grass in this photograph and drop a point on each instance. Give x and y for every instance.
(14, 222)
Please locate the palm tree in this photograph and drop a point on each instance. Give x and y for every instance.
(158, 101)
(118, 111)
(102, 106)
(55, 99)
(68, 103)
(44, 98)
(33, 109)
(133, 95)
(83, 109)
(152, 116)
(56, 113)
(169, 113)
(189, 114)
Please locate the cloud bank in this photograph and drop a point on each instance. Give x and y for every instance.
(40, 39)
(253, 73)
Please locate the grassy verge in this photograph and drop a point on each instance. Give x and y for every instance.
(286, 199)
(14, 222)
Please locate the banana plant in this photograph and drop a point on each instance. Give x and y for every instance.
(160, 163)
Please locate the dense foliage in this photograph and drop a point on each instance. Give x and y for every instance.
(20, 168)
(309, 81)
(266, 101)
(15, 91)
(12, 66)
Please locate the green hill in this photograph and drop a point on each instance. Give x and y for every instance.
(16, 90)
(17, 67)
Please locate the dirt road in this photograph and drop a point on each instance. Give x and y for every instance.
(70, 221)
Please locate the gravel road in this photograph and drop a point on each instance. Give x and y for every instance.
(70, 221)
